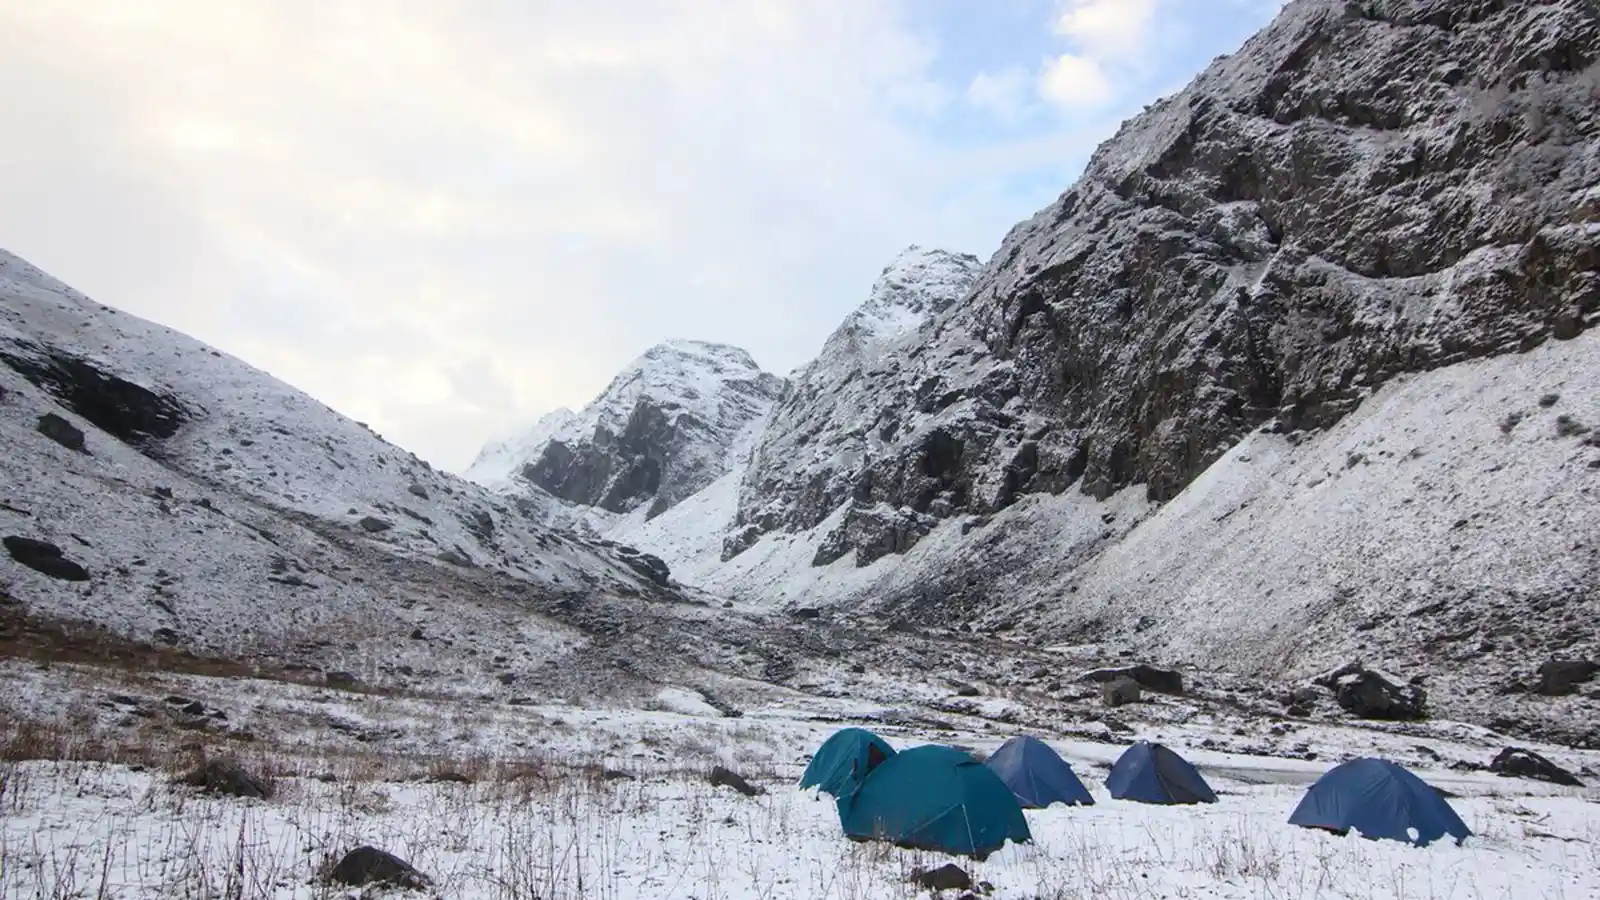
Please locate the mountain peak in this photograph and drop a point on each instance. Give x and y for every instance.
(657, 433)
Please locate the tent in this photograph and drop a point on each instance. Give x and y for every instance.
(1151, 773)
(1381, 800)
(1036, 775)
(844, 760)
(935, 798)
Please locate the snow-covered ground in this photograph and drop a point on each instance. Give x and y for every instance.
(540, 819)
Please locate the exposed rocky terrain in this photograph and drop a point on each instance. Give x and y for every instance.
(1361, 191)
(661, 431)
(1301, 371)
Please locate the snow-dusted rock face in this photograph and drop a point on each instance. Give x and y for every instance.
(213, 506)
(827, 423)
(661, 431)
(1363, 190)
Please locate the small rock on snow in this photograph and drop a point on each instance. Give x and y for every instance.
(369, 865)
(723, 777)
(62, 432)
(1520, 763)
(44, 557)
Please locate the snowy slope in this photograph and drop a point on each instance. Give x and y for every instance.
(218, 508)
(658, 433)
(1449, 528)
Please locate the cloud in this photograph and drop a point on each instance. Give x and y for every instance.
(1107, 29)
(446, 219)
(1003, 93)
(1077, 82)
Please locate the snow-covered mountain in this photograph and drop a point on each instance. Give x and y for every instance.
(661, 431)
(833, 396)
(190, 499)
(1167, 413)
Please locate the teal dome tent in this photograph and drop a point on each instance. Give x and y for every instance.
(935, 798)
(843, 761)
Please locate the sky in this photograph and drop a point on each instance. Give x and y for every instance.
(447, 219)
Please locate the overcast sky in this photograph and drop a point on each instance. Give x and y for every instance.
(447, 218)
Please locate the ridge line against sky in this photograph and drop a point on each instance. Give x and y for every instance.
(448, 219)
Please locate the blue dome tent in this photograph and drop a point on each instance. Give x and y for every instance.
(843, 761)
(1379, 799)
(1037, 776)
(935, 798)
(1151, 773)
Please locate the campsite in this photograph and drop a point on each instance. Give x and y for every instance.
(562, 802)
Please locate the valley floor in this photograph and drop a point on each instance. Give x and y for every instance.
(557, 801)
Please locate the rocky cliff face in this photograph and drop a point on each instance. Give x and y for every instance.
(1364, 190)
(831, 414)
(661, 431)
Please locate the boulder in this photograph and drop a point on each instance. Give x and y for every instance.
(948, 877)
(723, 777)
(1162, 681)
(374, 525)
(1371, 695)
(1558, 677)
(44, 557)
(62, 432)
(369, 865)
(1120, 692)
(1520, 763)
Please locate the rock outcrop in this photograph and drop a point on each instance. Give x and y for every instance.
(662, 430)
(833, 413)
(1364, 190)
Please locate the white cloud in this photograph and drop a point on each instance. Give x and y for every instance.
(1107, 29)
(1076, 82)
(445, 219)
(1003, 93)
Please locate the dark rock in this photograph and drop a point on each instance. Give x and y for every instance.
(1559, 677)
(966, 690)
(1567, 426)
(1520, 763)
(44, 557)
(371, 866)
(1162, 681)
(1120, 692)
(339, 680)
(653, 568)
(131, 413)
(374, 525)
(228, 777)
(417, 635)
(481, 524)
(948, 877)
(456, 558)
(417, 490)
(616, 775)
(62, 432)
(722, 777)
(1549, 400)
(1368, 694)
(807, 612)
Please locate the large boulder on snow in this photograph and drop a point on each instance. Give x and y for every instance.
(1375, 695)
